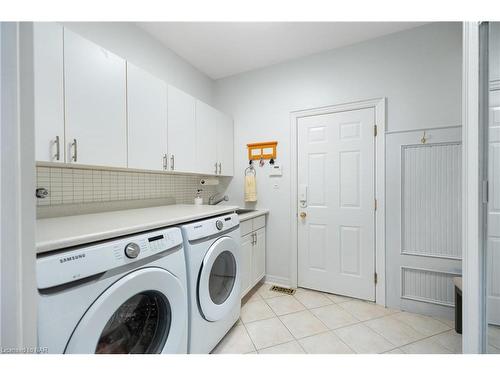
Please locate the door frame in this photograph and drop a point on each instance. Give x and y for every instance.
(379, 105)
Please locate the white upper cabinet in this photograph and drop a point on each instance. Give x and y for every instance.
(181, 131)
(48, 91)
(225, 146)
(95, 101)
(93, 107)
(206, 139)
(147, 120)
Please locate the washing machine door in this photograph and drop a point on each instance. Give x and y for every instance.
(143, 312)
(219, 280)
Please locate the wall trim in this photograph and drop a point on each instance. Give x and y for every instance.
(474, 340)
(379, 104)
(425, 270)
(495, 85)
(18, 304)
(279, 281)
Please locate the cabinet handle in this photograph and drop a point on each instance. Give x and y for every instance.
(220, 168)
(255, 234)
(215, 167)
(172, 162)
(57, 156)
(75, 150)
(165, 162)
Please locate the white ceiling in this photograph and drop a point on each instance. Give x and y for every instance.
(221, 49)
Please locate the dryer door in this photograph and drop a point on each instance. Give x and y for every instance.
(143, 312)
(219, 281)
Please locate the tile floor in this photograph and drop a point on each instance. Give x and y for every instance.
(315, 322)
(493, 339)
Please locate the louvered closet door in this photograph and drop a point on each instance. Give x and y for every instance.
(423, 216)
(494, 210)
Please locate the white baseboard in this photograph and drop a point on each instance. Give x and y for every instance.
(279, 281)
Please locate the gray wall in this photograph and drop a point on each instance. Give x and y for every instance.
(418, 70)
(132, 43)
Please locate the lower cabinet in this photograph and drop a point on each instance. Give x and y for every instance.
(253, 253)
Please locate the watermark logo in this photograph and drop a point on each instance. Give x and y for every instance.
(24, 350)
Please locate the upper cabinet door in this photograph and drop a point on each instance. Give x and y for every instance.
(206, 138)
(95, 99)
(48, 91)
(147, 120)
(181, 131)
(225, 146)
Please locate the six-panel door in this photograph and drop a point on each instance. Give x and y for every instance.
(336, 229)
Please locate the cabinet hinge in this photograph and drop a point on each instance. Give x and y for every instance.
(375, 278)
(375, 205)
(375, 130)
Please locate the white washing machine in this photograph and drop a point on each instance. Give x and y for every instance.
(212, 249)
(127, 295)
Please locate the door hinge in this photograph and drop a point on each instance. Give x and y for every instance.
(374, 130)
(375, 205)
(485, 192)
(375, 278)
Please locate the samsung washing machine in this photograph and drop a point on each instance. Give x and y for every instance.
(212, 249)
(127, 295)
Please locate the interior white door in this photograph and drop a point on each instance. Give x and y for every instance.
(206, 138)
(181, 130)
(49, 91)
(147, 120)
(494, 210)
(225, 144)
(95, 101)
(336, 183)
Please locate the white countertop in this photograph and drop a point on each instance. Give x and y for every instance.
(252, 214)
(61, 232)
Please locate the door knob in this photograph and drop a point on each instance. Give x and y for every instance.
(303, 215)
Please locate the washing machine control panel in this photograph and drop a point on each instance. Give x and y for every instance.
(87, 260)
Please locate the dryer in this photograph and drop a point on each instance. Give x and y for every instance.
(212, 249)
(127, 295)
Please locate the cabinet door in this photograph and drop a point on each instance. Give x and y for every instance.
(95, 99)
(246, 263)
(48, 91)
(225, 143)
(147, 120)
(206, 138)
(181, 130)
(259, 256)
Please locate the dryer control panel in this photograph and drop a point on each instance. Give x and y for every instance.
(84, 261)
(210, 227)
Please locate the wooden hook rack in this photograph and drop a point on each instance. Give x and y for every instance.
(262, 150)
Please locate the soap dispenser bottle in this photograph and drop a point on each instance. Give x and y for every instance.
(198, 200)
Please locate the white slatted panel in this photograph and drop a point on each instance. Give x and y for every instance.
(427, 286)
(431, 196)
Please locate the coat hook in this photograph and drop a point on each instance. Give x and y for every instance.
(423, 140)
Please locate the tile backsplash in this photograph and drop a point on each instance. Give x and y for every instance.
(81, 187)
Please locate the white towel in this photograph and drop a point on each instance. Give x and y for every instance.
(250, 188)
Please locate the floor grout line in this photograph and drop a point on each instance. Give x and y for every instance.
(338, 304)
